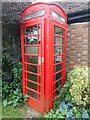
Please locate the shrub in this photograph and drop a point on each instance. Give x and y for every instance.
(64, 95)
(7, 66)
(79, 89)
(12, 92)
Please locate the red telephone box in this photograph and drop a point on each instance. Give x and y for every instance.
(43, 47)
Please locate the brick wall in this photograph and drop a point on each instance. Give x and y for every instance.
(77, 45)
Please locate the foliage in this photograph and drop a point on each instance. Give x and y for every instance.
(7, 67)
(12, 92)
(79, 89)
(64, 95)
(64, 107)
(67, 110)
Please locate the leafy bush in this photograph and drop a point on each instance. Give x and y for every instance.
(79, 89)
(12, 92)
(67, 110)
(64, 95)
(7, 67)
(64, 107)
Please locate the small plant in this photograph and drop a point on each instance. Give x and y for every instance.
(64, 107)
(64, 95)
(67, 110)
(7, 66)
(79, 88)
(12, 92)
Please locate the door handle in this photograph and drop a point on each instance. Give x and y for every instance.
(42, 59)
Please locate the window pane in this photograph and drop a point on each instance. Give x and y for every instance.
(59, 75)
(58, 50)
(32, 68)
(31, 50)
(58, 59)
(32, 85)
(58, 16)
(59, 40)
(58, 67)
(39, 29)
(39, 39)
(32, 59)
(32, 77)
(35, 14)
(58, 84)
(31, 40)
(31, 30)
(59, 31)
(32, 94)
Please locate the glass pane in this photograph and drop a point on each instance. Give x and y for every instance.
(58, 50)
(58, 67)
(59, 40)
(31, 50)
(39, 97)
(58, 59)
(24, 66)
(54, 60)
(32, 77)
(24, 31)
(25, 91)
(39, 29)
(24, 41)
(31, 40)
(32, 85)
(35, 14)
(59, 31)
(39, 88)
(32, 59)
(25, 82)
(59, 75)
(54, 49)
(31, 30)
(32, 94)
(32, 68)
(56, 93)
(39, 79)
(58, 16)
(58, 84)
(54, 69)
(39, 50)
(39, 69)
(25, 74)
(39, 39)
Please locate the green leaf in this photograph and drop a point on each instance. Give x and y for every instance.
(15, 104)
(51, 111)
(65, 107)
(62, 103)
(54, 115)
(69, 104)
(9, 102)
(5, 102)
(64, 112)
(25, 96)
(15, 92)
(78, 115)
(60, 116)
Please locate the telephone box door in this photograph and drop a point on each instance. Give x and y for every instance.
(32, 45)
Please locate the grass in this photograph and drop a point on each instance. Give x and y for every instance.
(11, 112)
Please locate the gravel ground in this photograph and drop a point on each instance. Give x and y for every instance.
(31, 113)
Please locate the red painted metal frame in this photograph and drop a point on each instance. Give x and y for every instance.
(48, 22)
